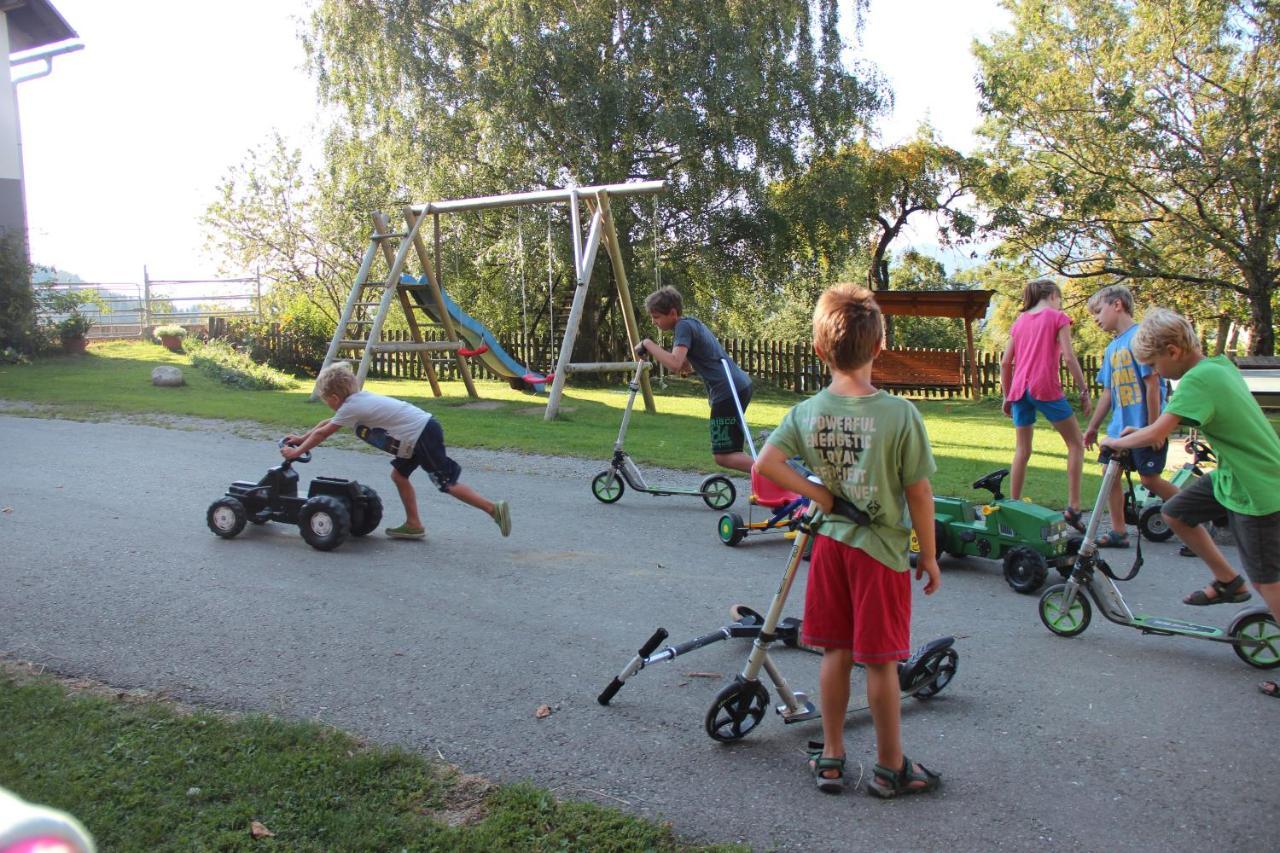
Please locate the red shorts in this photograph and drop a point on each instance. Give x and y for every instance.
(856, 602)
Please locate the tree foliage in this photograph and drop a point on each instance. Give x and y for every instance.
(1139, 140)
(456, 98)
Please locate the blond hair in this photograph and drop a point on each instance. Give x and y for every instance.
(1163, 328)
(847, 326)
(1112, 293)
(664, 301)
(1038, 289)
(337, 380)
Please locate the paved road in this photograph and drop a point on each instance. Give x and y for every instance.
(1111, 741)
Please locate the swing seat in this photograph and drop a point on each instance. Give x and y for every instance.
(766, 493)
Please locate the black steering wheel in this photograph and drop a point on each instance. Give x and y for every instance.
(306, 457)
(1199, 451)
(991, 482)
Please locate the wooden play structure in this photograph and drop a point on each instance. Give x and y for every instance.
(424, 300)
(939, 368)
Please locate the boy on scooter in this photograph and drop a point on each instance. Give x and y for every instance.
(1213, 396)
(694, 348)
(1134, 395)
(871, 449)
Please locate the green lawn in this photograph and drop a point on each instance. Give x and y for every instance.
(147, 776)
(969, 439)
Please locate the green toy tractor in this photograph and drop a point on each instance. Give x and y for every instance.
(1025, 537)
(1142, 508)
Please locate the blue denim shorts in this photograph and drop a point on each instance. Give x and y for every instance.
(1024, 410)
(1144, 460)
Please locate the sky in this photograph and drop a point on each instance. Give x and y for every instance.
(125, 142)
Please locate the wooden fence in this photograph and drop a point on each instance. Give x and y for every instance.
(789, 365)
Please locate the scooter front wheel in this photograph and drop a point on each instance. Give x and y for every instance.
(718, 492)
(1058, 617)
(1264, 651)
(607, 486)
(739, 707)
(935, 672)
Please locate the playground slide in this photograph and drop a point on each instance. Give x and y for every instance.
(478, 336)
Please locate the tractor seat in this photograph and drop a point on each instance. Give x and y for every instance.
(766, 493)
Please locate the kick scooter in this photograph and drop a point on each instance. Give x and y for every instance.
(716, 491)
(740, 705)
(1065, 608)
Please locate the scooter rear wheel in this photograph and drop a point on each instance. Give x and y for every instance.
(1061, 620)
(935, 673)
(607, 486)
(738, 708)
(1262, 628)
(718, 492)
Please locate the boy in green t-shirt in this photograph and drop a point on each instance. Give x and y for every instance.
(1212, 396)
(871, 449)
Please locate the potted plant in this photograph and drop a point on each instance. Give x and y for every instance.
(72, 332)
(171, 336)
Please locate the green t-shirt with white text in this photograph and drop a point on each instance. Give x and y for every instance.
(867, 450)
(1214, 397)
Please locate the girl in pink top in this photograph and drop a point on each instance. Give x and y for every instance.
(1038, 342)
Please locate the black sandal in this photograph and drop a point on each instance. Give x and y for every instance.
(1232, 592)
(820, 766)
(1074, 517)
(887, 784)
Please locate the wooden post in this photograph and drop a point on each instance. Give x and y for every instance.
(383, 225)
(624, 294)
(973, 374)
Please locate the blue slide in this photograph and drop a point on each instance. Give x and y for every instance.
(478, 336)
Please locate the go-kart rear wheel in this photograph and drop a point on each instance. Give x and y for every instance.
(732, 528)
(607, 486)
(737, 709)
(371, 516)
(1025, 570)
(1152, 525)
(935, 672)
(325, 522)
(718, 492)
(1060, 619)
(1261, 628)
(226, 517)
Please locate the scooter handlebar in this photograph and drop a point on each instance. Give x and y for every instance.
(843, 508)
(645, 650)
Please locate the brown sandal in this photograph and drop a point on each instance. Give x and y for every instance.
(1232, 592)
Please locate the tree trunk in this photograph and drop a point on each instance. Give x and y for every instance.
(1224, 326)
(1262, 332)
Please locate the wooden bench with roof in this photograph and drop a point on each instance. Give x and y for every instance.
(924, 368)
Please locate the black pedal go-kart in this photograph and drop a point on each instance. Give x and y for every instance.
(333, 509)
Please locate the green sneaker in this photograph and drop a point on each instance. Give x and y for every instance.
(502, 515)
(404, 531)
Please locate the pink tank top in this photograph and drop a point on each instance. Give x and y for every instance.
(1036, 355)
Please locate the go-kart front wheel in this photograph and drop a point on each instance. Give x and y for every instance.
(325, 522)
(1152, 525)
(1025, 570)
(1058, 617)
(718, 492)
(738, 708)
(607, 486)
(732, 528)
(1264, 651)
(226, 517)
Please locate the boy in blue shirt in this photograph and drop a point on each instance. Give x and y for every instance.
(1134, 397)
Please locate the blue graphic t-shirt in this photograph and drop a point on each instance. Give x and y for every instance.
(1123, 375)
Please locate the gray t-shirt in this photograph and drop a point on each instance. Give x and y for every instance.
(704, 354)
(388, 424)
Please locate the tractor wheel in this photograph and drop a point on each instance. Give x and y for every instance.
(325, 522)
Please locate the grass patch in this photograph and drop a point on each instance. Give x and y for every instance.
(143, 775)
(114, 378)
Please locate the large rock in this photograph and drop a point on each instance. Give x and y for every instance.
(166, 376)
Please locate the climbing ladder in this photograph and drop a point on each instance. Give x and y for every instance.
(359, 329)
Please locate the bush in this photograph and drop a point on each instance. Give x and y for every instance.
(219, 360)
(296, 346)
(172, 331)
(17, 303)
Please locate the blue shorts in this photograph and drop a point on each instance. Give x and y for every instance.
(1144, 460)
(1024, 410)
(430, 456)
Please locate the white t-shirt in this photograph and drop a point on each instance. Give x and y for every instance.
(387, 423)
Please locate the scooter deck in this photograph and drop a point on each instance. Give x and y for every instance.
(1162, 625)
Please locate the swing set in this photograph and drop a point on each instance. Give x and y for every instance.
(425, 302)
